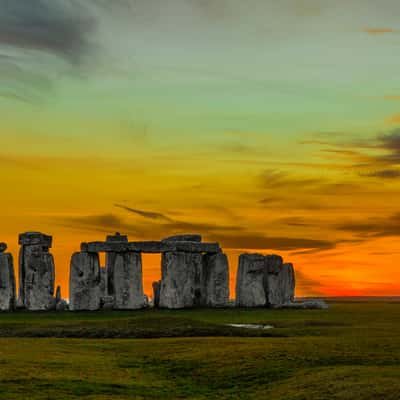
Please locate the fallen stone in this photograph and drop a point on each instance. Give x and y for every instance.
(127, 281)
(250, 291)
(183, 238)
(84, 283)
(180, 271)
(3, 247)
(36, 273)
(150, 247)
(7, 283)
(156, 293)
(215, 286)
(314, 304)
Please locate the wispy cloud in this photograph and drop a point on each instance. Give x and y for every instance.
(145, 214)
(379, 31)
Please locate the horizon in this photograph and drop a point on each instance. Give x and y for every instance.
(269, 128)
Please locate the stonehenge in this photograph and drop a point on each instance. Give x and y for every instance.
(264, 281)
(193, 274)
(36, 272)
(7, 280)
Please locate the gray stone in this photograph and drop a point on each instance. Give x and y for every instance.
(84, 282)
(250, 291)
(110, 261)
(61, 304)
(35, 238)
(107, 302)
(156, 293)
(281, 282)
(215, 291)
(103, 281)
(183, 238)
(180, 280)
(150, 247)
(313, 304)
(127, 281)
(117, 238)
(36, 272)
(273, 279)
(3, 247)
(7, 283)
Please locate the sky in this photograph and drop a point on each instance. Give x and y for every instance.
(271, 127)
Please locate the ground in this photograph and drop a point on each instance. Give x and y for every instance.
(351, 351)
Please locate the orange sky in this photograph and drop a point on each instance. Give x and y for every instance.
(270, 127)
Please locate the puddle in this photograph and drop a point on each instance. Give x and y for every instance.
(251, 326)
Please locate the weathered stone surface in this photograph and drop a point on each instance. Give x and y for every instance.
(183, 238)
(273, 279)
(215, 288)
(250, 291)
(314, 304)
(150, 247)
(103, 281)
(156, 293)
(61, 304)
(7, 283)
(117, 238)
(35, 238)
(127, 281)
(84, 282)
(280, 281)
(36, 273)
(3, 247)
(288, 282)
(107, 302)
(180, 279)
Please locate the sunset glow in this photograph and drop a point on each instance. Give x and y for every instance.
(267, 128)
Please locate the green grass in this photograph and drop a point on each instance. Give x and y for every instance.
(351, 351)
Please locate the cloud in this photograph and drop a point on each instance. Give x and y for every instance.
(379, 31)
(374, 227)
(278, 179)
(59, 27)
(393, 119)
(259, 242)
(384, 173)
(145, 214)
(392, 97)
(105, 223)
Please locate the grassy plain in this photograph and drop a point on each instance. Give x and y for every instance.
(351, 351)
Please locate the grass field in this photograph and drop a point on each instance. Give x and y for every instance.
(351, 351)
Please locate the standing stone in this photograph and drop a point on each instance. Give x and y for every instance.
(110, 261)
(215, 280)
(288, 283)
(156, 293)
(127, 281)
(84, 282)
(250, 291)
(7, 282)
(273, 280)
(36, 272)
(180, 280)
(3, 247)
